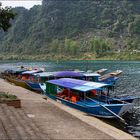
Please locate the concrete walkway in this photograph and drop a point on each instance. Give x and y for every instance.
(56, 121)
(16, 125)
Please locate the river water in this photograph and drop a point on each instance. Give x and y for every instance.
(128, 83)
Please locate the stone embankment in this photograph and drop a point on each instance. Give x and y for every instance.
(14, 124)
(41, 119)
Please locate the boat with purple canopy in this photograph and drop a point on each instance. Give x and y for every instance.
(37, 80)
(89, 97)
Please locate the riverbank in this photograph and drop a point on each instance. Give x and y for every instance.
(84, 56)
(57, 121)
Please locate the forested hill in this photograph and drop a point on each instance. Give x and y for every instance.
(85, 29)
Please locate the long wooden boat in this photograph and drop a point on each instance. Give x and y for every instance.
(20, 78)
(86, 96)
(12, 72)
(18, 82)
(37, 80)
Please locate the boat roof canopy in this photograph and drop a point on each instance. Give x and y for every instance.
(68, 73)
(60, 74)
(15, 70)
(75, 84)
(91, 74)
(44, 74)
(65, 74)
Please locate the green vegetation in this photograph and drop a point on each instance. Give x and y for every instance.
(74, 29)
(6, 15)
(6, 96)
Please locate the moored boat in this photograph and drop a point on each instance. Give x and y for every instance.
(19, 77)
(86, 96)
(101, 71)
(110, 78)
(37, 80)
(12, 72)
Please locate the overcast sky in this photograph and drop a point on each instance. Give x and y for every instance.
(24, 3)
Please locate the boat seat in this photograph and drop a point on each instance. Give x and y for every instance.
(62, 96)
(67, 98)
(73, 99)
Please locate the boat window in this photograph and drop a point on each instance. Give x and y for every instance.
(38, 79)
(51, 89)
(19, 76)
(43, 79)
(105, 91)
(59, 89)
(24, 77)
(81, 95)
(34, 79)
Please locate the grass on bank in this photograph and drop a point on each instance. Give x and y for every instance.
(84, 56)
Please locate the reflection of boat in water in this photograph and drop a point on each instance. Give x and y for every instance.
(90, 97)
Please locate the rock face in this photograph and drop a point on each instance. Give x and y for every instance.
(33, 30)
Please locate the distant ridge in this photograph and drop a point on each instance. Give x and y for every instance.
(69, 27)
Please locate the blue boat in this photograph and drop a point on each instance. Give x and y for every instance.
(12, 72)
(110, 78)
(37, 80)
(89, 97)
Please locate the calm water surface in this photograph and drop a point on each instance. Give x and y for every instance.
(128, 84)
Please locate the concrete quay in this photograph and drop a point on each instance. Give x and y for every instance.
(47, 119)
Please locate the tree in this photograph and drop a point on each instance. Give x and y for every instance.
(99, 46)
(6, 15)
(71, 46)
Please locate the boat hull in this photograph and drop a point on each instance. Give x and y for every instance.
(18, 82)
(34, 86)
(95, 110)
(127, 99)
(109, 80)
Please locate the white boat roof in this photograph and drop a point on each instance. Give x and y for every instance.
(30, 72)
(44, 74)
(75, 84)
(91, 74)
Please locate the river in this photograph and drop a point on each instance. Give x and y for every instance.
(128, 83)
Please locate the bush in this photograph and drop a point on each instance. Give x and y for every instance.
(7, 96)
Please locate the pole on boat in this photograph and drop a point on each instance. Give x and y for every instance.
(108, 110)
